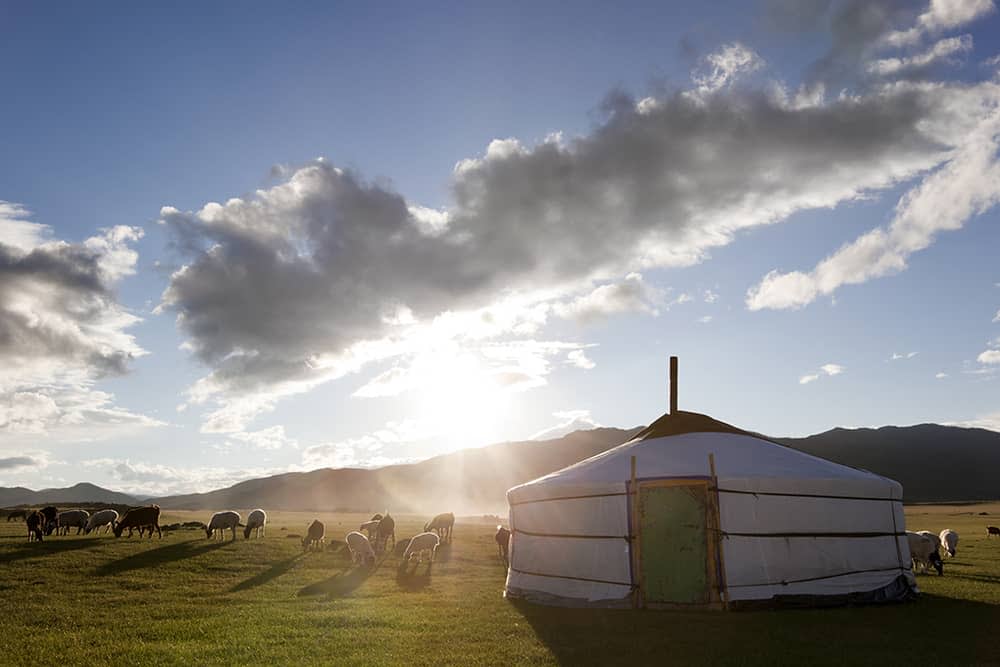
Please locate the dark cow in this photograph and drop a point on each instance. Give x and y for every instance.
(51, 515)
(991, 531)
(503, 544)
(141, 518)
(35, 521)
(442, 524)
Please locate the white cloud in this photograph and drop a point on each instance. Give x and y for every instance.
(579, 359)
(710, 296)
(62, 330)
(896, 356)
(941, 376)
(967, 185)
(825, 369)
(941, 15)
(996, 318)
(726, 65)
(704, 319)
(942, 51)
(631, 295)
(989, 357)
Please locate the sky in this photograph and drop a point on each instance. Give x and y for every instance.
(246, 238)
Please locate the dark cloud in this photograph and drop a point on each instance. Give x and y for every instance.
(14, 462)
(276, 281)
(856, 28)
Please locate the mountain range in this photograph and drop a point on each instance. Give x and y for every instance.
(933, 463)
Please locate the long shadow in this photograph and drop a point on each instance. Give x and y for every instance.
(412, 582)
(273, 572)
(583, 636)
(338, 585)
(49, 546)
(159, 556)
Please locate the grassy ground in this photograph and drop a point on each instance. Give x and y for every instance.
(187, 600)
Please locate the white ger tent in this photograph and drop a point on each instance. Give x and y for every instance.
(768, 526)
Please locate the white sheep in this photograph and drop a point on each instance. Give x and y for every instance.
(104, 518)
(949, 541)
(360, 548)
(73, 519)
(255, 521)
(924, 552)
(222, 521)
(424, 542)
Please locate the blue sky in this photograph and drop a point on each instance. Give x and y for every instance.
(786, 195)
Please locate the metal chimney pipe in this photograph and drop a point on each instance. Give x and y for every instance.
(673, 385)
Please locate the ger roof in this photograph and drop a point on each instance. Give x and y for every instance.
(678, 445)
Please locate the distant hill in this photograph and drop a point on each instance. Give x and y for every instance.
(471, 480)
(933, 463)
(78, 493)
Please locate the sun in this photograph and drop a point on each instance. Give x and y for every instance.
(460, 402)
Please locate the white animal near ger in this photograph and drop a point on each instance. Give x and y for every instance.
(101, 518)
(360, 548)
(223, 521)
(949, 541)
(924, 552)
(256, 521)
(73, 519)
(420, 544)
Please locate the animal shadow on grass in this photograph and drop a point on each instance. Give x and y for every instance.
(413, 581)
(49, 546)
(159, 556)
(273, 572)
(340, 584)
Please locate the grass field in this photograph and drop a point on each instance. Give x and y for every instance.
(186, 600)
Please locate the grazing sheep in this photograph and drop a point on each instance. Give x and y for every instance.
(223, 521)
(386, 529)
(105, 518)
(933, 538)
(140, 518)
(360, 548)
(424, 542)
(991, 531)
(35, 522)
(442, 524)
(73, 518)
(315, 535)
(923, 552)
(949, 541)
(369, 527)
(51, 515)
(503, 543)
(255, 521)
(16, 514)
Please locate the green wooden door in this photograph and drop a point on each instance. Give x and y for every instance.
(673, 548)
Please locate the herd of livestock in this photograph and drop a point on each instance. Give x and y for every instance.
(364, 544)
(371, 538)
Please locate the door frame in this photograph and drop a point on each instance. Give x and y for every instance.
(712, 545)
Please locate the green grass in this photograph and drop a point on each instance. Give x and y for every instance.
(187, 600)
